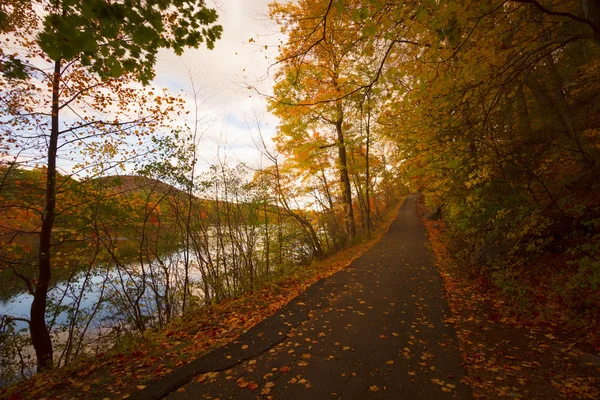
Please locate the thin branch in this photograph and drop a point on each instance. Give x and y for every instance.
(561, 14)
(79, 93)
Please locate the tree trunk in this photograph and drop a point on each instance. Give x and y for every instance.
(369, 223)
(345, 180)
(40, 336)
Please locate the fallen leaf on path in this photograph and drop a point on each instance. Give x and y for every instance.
(374, 388)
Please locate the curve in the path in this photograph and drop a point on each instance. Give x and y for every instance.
(373, 330)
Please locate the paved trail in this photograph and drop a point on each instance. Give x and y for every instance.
(374, 330)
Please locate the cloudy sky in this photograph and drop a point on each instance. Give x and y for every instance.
(229, 111)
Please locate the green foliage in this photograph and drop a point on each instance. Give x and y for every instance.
(115, 38)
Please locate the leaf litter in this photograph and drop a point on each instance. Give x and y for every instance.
(506, 356)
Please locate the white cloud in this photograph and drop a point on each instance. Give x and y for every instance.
(228, 108)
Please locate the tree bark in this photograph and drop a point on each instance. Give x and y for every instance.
(345, 180)
(40, 336)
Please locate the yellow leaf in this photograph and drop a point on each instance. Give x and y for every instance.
(374, 388)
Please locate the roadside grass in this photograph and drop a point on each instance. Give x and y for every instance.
(139, 360)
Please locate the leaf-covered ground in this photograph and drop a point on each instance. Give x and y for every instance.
(115, 374)
(512, 357)
(375, 330)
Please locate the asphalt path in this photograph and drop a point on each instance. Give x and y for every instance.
(374, 330)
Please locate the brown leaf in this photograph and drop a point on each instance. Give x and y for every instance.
(265, 390)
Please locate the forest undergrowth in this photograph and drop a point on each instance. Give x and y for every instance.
(512, 351)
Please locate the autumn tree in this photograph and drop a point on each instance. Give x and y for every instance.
(497, 120)
(312, 82)
(95, 51)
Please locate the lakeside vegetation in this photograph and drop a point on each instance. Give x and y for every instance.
(130, 357)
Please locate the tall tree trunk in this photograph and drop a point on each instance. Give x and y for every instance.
(369, 223)
(345, 180)
(267, 244)
(40, 336)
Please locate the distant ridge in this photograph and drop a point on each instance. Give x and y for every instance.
(122, 184)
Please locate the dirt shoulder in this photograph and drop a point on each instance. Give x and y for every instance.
(507, 357)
